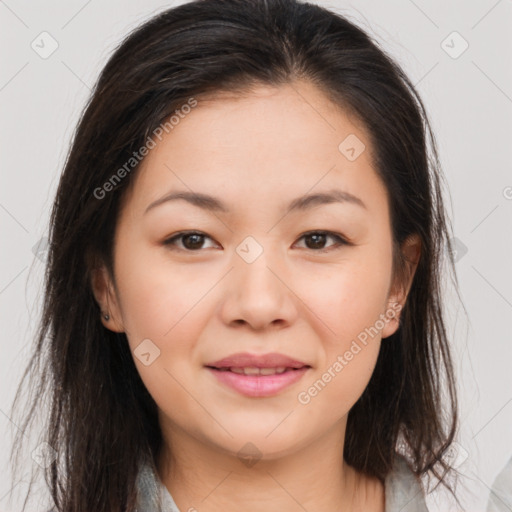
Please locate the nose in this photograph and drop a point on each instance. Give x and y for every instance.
(257, 295)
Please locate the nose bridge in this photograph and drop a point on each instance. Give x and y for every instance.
(252, 267)
(256, 294)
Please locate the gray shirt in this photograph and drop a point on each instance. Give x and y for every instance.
(402, 489)
(500, 497)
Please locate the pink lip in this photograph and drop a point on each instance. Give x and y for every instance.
(258, 385)
(244, 360)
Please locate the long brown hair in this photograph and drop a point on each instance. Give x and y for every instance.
(102, 421)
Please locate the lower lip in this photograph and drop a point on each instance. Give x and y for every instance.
(259, 385)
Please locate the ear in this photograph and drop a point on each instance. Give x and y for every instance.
(104, 292)
(411, 250)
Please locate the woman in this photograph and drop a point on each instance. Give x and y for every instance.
(243, 302)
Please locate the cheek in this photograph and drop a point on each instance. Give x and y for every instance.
(168, 308)
(349, 300)
(350, 307)
(349, 297)
(158, 299)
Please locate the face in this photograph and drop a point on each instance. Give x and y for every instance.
(265, 270)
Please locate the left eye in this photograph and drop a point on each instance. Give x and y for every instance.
(318, 238)
(315, 240)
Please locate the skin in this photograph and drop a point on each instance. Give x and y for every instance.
(256, 153)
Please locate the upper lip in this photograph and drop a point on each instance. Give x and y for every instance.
(245, 360)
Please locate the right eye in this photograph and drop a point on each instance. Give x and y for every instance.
(190, 241)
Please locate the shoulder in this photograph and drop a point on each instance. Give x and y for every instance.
(403, 490)
(152, 495)
(148, 490)
(500, 497)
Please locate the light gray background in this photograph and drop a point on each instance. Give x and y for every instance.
(469, 100)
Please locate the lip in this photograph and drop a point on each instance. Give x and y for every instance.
(258, 385)
(244, 360)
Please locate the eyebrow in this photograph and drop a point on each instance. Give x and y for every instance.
(302, 203)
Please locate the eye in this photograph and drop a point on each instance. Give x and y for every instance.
(191, 240)
(315, 240)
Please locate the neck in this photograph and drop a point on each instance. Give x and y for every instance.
(203, 477)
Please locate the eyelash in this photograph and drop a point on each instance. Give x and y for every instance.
(341, 241)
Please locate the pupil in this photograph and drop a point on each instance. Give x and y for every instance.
(196, 241)
(320, 240)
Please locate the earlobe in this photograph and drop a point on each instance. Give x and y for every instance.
(392, 318)
(104, 293)
(411, 251)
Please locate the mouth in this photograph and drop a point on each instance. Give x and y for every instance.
(253, 362)
(258, 376)
(254, 370)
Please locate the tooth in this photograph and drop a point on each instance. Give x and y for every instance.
(251, 370)
(237, 370)
(268, 371)
(281, 369)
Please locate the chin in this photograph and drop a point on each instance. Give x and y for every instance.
(257, 443)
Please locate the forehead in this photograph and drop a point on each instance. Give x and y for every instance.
(259, 145)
